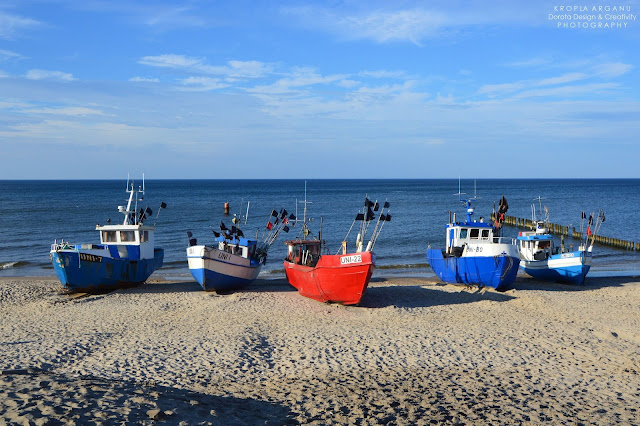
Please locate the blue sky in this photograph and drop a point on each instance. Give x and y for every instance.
(303, 89)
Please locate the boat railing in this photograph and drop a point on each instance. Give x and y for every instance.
(504, 240)
(62, 245)
(65, 245)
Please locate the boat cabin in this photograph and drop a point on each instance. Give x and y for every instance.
(130, 241)
(303, 252)
(463, 233)
(534, 246)
(238, 246)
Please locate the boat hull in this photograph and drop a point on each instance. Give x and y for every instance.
(335, 278)
(217, 270)
(570, 268)
(498, 272)
(86, 272)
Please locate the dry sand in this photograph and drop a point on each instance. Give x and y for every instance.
(414, 352)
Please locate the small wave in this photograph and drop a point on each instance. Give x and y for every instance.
(15, 264)
(176, 264)
(406, 266)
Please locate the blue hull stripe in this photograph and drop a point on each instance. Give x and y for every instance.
(496, 272)
(109, 274)
(215, 281)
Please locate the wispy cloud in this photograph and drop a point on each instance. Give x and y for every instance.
(203, 84)
(564, 82)
(12, 26)
(414, 24)
(610, 70)
(566, 78)
(144, 80)
(232, 70)
(48, 75)
(173, 17)
(65, 111)
(9, 55)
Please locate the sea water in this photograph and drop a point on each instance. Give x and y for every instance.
(35, 213)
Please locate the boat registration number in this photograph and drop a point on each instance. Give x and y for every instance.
(566, 255)
(90, 257)
(224, 256)
(356, 258)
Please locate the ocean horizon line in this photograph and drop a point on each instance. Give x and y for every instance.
(324, 179)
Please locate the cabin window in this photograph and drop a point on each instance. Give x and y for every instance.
(127, 236)
(144, 236)
(109, 236)
(463, 234)
(474, 233)
(485, 233)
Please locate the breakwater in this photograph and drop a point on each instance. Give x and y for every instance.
(562, 230)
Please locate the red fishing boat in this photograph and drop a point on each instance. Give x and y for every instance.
(328, 278)
(338, 278)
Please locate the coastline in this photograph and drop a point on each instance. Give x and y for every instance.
(416, 350)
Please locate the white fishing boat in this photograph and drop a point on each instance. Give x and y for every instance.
(233, 261)
(544, 260)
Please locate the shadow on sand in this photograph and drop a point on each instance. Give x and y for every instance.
(97, 400)
(424, 294)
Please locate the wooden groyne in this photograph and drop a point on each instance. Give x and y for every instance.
(554, 228)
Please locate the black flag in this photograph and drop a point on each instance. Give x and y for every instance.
(217, 234)
(386, 204)
(222, 227)
(360, 216)
(163, 205)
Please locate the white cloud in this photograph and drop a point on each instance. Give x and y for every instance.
(383, 23)
(8, 55)
(610, 70)
(232, 70)
(568, 91)
(566, 78)
(68, 111)
(173, 17)
(203, 84)
(48, 75)
(413, 25)
(144, 80)
(12, 25)
(383, 74)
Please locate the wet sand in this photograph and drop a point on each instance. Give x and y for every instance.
(415, 352)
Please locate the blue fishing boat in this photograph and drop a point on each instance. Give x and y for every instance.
(475, 252)
(125, 257)
(543, 260)
(233, 261)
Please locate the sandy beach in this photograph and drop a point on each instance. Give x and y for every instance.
(415, 352)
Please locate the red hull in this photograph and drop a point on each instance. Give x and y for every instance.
(333, 279)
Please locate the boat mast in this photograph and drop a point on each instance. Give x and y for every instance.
(305, 228)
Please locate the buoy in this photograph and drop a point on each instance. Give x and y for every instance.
(226, 208)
